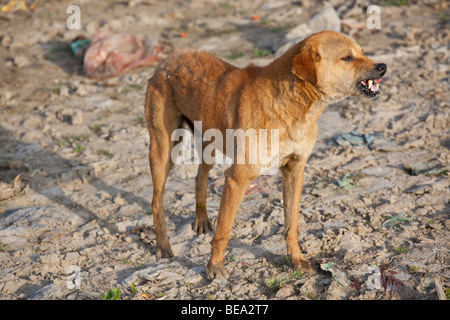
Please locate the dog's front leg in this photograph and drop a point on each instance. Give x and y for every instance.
(237, 179)
(292, 180)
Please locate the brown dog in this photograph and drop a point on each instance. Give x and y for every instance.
(289, 95)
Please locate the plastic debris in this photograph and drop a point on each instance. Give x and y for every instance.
(79, 46)
(357, 139)
(112, 54)
(350, 139)
(337, 274)
(373, 141)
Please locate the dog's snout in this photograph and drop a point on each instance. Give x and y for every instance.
(381, 68)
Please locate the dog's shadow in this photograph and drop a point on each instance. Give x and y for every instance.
(57, 171)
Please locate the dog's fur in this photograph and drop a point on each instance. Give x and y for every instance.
(289, 95)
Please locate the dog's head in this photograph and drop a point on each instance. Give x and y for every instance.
(337, 67)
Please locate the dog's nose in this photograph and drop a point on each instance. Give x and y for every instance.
(381, 68)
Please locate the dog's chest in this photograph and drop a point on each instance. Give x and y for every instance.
(298, 138)
(301, 137)
(300, 141)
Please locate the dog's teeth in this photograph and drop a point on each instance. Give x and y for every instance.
(374, 88)
(369, 84)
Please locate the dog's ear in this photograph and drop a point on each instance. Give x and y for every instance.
(304, 65)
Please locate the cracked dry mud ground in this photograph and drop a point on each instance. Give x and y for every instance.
(76, 190)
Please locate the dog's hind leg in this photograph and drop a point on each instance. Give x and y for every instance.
(202, 223)
(162, 118)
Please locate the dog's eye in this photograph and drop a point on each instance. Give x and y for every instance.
(347, 58)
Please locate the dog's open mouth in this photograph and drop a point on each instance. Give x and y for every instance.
(370, 87)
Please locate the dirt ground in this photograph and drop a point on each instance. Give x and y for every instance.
(75, 186)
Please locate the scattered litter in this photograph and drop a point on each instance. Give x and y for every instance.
(109, 55)
(350, 139)
(79, 46)
(426, 168)
(337, 274)
(359, 139)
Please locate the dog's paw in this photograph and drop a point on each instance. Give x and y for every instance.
(302, 265)
(214, 271)
(203, 226)
(164, 253)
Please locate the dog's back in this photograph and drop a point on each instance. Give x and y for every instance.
(202, 85)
